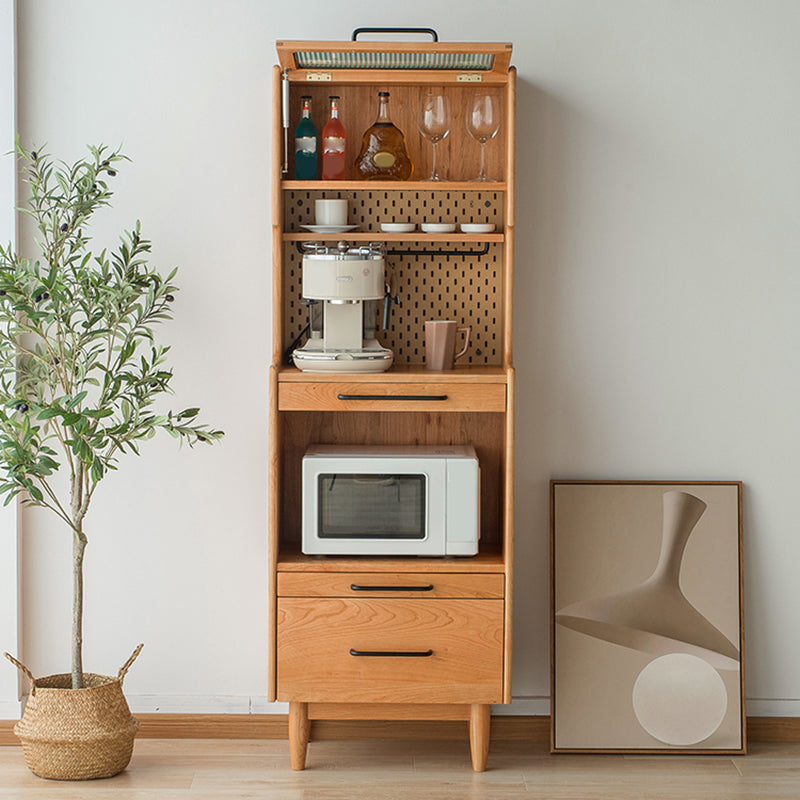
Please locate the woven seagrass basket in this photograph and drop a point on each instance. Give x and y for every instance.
(77, 734)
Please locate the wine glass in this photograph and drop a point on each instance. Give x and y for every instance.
(483, 123)
(434, 124)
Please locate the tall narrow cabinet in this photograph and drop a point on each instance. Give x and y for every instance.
(315, 615)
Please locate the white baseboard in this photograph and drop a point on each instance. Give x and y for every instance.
(9, 709)
(772, 708)
(192, 704)
(244, 704)
(524, 707)
(257, 704)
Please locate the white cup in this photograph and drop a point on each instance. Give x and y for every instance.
(330, 212)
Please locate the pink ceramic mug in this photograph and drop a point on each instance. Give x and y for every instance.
(440, 343)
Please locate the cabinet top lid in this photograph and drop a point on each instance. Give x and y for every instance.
(360, 55)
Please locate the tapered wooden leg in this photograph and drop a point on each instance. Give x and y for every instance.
(299, 730)
(479, 721)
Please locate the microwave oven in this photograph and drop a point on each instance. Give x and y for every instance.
(391, 501)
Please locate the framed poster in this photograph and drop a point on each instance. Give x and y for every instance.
(646, 628)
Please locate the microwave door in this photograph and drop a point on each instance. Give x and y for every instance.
(374, 506)
(383, 507)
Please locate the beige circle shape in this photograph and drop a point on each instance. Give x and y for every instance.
(679, 699)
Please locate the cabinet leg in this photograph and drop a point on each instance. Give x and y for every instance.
(299, 730)
(479, 721)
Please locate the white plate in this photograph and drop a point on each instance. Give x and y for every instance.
(477, 227)
(438, 227)
(329, 228)
(398, 227)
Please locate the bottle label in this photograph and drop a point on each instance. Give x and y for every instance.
(333, 144)
(305, 144)
(384, 159)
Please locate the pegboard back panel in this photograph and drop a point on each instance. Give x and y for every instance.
(368, 208)
(467, 288)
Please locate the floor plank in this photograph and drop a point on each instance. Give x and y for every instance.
(241, 769)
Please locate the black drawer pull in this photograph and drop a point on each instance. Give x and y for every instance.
(413, 397)
(356, 588)
(391, 653)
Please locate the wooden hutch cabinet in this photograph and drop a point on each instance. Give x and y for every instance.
(464, 618)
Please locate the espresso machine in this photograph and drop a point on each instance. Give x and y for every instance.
(343, 287)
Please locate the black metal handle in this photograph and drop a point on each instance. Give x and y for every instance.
(412, 397)
(482, 252)
(391, 653)
(429, 31)
(356, 588)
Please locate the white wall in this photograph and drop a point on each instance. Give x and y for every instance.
(8, 515)
(657, 287)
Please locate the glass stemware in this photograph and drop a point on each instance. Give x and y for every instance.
(434, 124)
(483, 123)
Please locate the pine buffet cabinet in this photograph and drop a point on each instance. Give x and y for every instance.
(463, 616)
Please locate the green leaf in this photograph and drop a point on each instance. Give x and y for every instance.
(76, 399)
(97, 470)
(98, 413)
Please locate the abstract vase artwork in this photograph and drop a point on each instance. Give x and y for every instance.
(647, 617)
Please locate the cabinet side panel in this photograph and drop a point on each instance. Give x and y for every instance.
(508, 536)
(508, 255)
(273, 527)
(277, 218)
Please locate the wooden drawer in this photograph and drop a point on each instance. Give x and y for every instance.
(327, 396)
(420, 585)
(387, 650)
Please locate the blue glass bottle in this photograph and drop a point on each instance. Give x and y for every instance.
(305, 145)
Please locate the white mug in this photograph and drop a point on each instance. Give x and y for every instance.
(330, 212)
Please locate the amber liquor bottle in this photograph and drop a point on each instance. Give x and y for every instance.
(383, 155)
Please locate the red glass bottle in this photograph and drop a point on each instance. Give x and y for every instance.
(333, 145)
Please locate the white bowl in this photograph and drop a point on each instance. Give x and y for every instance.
(477, 227)
(438, 227)
(398, 227)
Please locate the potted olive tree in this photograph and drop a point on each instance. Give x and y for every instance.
(80, 374)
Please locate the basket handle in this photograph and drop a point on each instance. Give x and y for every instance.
(123, 670)
(23, 669)
(429, 31)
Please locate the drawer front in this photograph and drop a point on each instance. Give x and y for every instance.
(390, 584)
(326, 396)
(393, 651)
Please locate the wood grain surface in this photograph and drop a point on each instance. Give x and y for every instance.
(316, 636)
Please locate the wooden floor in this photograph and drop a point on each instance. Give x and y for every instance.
(407, 770)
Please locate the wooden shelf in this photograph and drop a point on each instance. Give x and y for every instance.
(372, 236)
(398, 186)
(297, 562)
(407, 373)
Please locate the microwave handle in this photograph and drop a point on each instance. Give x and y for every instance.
(413, 397)
(358, 588)
(392, 653)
